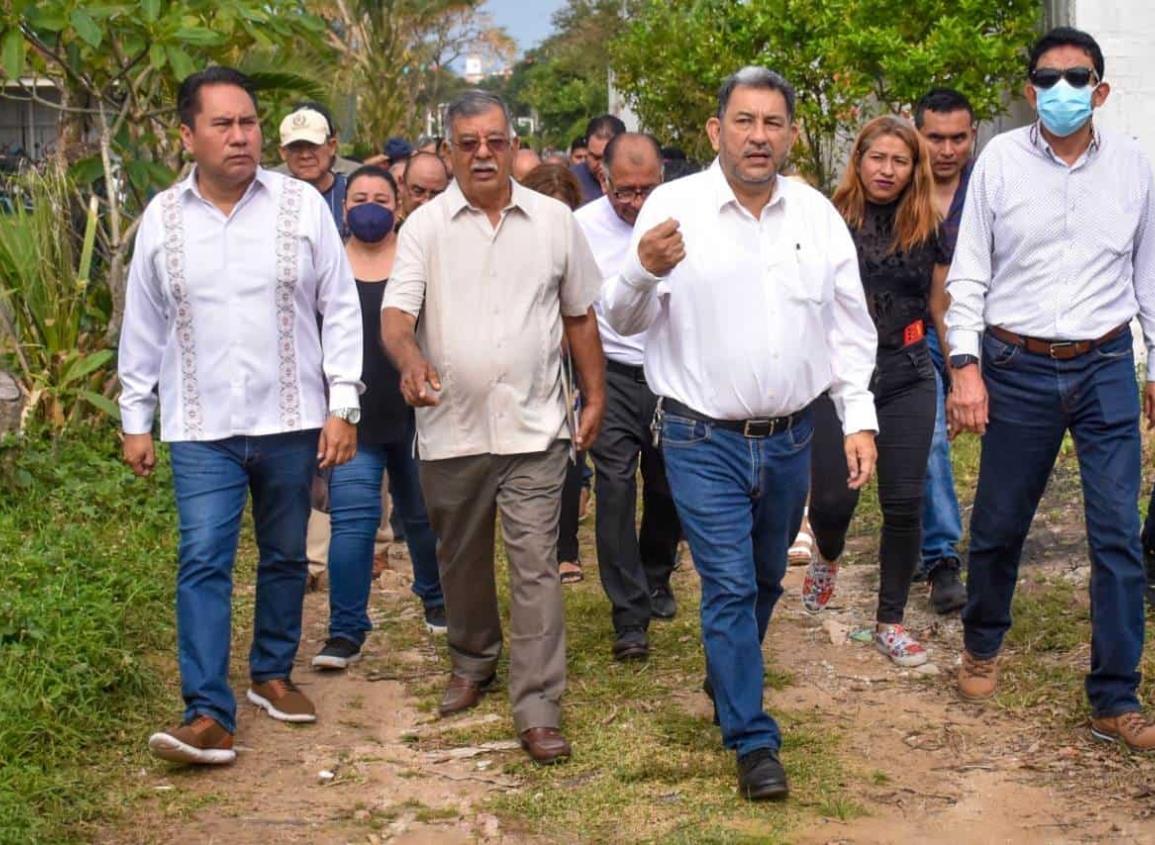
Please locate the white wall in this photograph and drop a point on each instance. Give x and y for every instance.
(1125, 29)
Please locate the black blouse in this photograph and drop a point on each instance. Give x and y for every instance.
(385, 418)
(897, 283)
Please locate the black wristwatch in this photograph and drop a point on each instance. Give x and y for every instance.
(957, 362)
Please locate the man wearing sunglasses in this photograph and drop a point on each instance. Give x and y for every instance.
(497, 273)
(635, 569)
(1055, 256)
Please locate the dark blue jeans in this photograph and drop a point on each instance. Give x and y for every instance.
(1034, 401)
(355, 513)
(740, 502)
(212, 482)
(941, 517)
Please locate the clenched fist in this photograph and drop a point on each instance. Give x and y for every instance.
(661, 249)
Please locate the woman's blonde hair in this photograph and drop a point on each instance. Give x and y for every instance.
(915, 220)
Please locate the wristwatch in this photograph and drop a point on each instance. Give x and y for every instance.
(349, 415)
(957, 362)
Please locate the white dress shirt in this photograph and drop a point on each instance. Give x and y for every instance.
(762, 315)
(221, 315)
(1051, 251)
(609, 237)
(490, 301)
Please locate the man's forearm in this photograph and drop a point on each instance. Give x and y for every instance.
(397, 336)
(586, 349)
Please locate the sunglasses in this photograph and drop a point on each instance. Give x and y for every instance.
(1048, 77)
(497, 144)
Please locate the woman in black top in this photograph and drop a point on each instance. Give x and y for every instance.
(385, 437)
(885, 197)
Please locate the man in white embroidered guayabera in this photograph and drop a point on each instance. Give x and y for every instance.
(1055, 257)
(746, 286)
(231, 267)
(497, 273)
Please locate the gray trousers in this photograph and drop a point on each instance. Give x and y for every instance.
(463, 497)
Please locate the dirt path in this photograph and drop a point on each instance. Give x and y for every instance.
(356, 776)
(919, 765)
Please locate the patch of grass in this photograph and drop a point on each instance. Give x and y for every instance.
(86, 591)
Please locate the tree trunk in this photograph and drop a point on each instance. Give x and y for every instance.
(11, 403)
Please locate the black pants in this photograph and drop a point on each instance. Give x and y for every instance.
(632, 564)
(571, 496)
(904, 396)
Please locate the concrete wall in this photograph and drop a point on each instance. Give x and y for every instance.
(1125, 29)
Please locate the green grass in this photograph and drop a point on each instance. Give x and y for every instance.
(86, 582)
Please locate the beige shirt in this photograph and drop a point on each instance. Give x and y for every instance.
(490, 302)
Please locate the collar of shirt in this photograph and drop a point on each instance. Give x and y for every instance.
(189, 184)
(521, 198)
(724, 194)
(1039, 142)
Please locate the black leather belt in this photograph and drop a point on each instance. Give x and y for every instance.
(763, 427)
(638, 374)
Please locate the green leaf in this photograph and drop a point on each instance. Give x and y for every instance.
(151, 9)
(198, 36)
(86, 28)
(87, 170)
(83, 366)
(12, 53)
(100, 402)
(48, 20)
(156, 56)
(182, 64)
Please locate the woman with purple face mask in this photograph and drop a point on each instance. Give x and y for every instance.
(384, 443)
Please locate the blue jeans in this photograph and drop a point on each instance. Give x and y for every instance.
(355, 513)
(941, 517)
(212, 481)
(740, 502)
(1034, 400)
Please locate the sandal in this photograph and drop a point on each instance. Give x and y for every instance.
(570, 571)
(801, 552)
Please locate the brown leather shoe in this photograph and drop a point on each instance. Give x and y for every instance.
(462, 693)
(545, 745)
(978, 680)
(1131, 729)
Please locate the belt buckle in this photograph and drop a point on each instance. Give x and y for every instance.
(1063, 344)
(751, 428)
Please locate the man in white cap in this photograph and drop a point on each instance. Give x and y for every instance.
(309, 149)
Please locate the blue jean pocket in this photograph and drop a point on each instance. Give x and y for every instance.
(681, 431)
(802, 432)
(998, 353)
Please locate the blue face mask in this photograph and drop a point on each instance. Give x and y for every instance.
(1063, 108)
(369, 222)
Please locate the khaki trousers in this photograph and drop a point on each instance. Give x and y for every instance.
(463, 497)
(317, 538)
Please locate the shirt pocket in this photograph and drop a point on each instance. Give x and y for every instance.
(805, 278)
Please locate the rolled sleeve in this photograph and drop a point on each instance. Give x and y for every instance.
(143, 334)
(582, 282)
(406, 288)
(630, 298)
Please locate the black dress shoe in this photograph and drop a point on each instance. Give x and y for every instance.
(761, 777)
(662, 603)
(631, 644)
(947, 591)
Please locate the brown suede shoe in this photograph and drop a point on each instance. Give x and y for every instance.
(200, 740)
(1134, 731)
(462, 693)
(545, 745)
(978, 680)
(281, 699)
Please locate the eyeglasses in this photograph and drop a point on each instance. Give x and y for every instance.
(1048, 77)
(630, 194)
(497, 144)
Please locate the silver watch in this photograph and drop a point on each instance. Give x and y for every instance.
(349, 415)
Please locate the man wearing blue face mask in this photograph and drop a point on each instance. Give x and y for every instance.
(1055, 256)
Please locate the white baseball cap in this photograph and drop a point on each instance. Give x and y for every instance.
(304, 125)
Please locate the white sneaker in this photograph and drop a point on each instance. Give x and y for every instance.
(896, 643)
